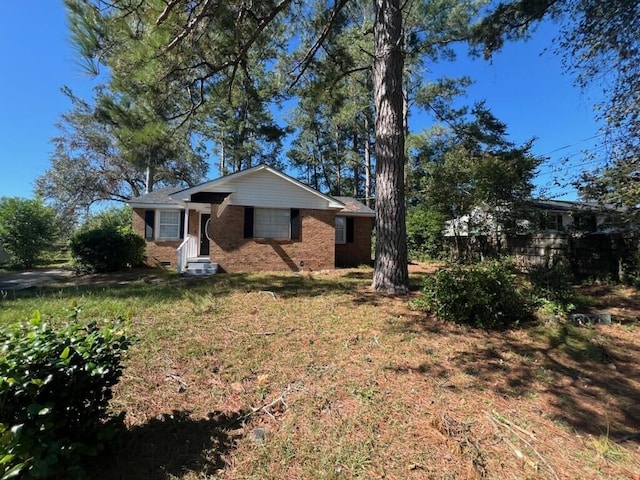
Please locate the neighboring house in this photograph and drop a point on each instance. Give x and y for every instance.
(547, 216)
(257, 219)
(584, 233)
(566, 216)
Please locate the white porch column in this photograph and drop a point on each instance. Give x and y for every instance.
(186, 221)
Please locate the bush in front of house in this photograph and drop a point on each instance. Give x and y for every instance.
(55, 386)
(482, 295)
(107, 249)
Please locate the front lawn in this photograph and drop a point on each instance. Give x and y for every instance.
(283, 376)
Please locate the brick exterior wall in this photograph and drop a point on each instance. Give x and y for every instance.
(357, 252)
(162, 253)
(233, 253)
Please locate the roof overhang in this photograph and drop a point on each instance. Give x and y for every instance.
(356, 214)
(157, 206)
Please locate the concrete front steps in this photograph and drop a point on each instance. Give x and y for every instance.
(201, 266)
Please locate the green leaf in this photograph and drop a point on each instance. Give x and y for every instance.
(65, 353)
(14, 472)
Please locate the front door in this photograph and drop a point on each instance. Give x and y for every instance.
(204, 240)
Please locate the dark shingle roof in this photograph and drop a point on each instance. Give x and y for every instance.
(354, 207)
(161, 196)
(569, 206)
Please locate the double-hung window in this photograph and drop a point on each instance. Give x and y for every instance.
(272, 223)
(169, 225)
(341, 230)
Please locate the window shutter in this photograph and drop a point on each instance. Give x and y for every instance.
(248, 222)
(149, 220)
(350, 230)
(295, 224)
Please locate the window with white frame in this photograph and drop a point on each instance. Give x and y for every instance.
(341, 230)
(272, 223)
(169, 225)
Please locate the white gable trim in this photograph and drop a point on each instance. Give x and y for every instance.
(218, 185)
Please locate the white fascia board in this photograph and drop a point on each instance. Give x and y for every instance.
(157, 206)
(356, 214)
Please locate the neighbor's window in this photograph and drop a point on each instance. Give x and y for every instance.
(551, 221)
(271, 223)
(169, 225)
(341, 229)
(586, 222)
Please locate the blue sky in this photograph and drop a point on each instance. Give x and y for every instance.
(523, 86)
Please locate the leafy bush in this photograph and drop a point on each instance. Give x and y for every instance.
(107, 249)
(552, 286)
(55, 386)
(424, 233)
(27, 229)
(119, 218)
(482, 295)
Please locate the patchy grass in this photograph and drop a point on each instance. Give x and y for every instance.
(284, 376)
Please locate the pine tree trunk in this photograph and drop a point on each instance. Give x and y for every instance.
(367, 164)
(391, 272)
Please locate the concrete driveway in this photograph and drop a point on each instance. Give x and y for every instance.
(33, 278)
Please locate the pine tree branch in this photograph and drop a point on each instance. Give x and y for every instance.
(311, 53)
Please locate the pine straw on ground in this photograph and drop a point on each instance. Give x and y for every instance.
(312, 376)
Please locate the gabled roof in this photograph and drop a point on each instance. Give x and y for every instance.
(224, 184)
(175, 197)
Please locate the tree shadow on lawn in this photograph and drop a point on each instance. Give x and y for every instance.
(153, 286)
(176, 287)
(592, 377)
(169, 446)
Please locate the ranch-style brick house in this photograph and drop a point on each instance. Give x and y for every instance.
(257, 219)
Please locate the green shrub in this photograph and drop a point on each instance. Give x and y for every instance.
(119, 218)
(482, 295)
(28, 228)
(55, 385)
(551, 287)
(107, 249)
(424, 233)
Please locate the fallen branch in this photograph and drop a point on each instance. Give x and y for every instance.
(248, 333)
(502, 419)
(498, 422)
(266, 408)
(182, 386)
(267, 333)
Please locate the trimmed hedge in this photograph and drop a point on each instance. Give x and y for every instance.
(55, 387)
